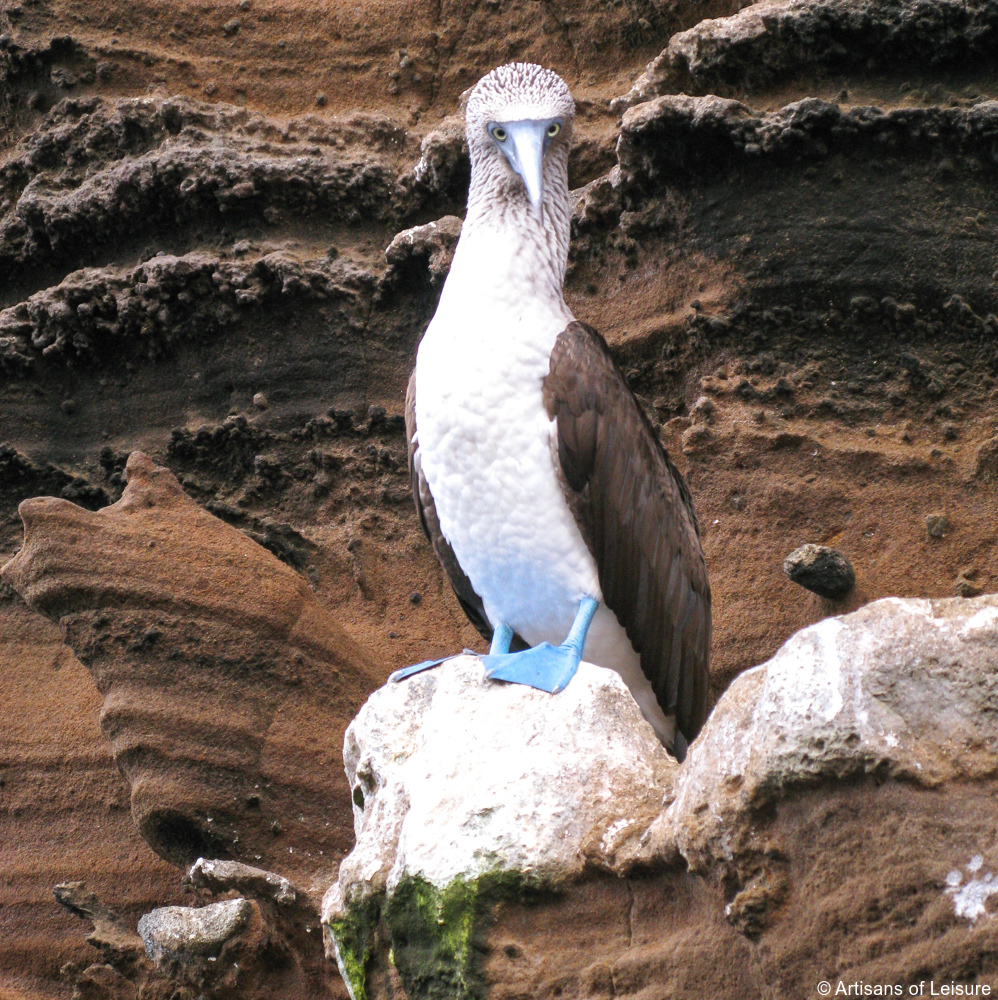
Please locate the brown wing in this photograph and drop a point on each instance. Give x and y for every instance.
(427, 511)
(636, 514)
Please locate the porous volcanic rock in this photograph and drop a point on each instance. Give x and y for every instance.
(115, 940)
(102, 171)
(766, 42)
(676, 137)
(98, 312)
(432, 245)
(215, 663)
(472, 861)
(444, 167)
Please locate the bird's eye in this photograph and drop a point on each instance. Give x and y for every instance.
(553, 129)
(499, 134)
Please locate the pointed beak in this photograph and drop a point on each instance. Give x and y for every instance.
(527, 139)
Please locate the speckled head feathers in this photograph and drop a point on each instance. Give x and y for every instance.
(498, 197)
(518, 92)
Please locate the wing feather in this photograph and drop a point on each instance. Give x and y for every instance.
(636, 512)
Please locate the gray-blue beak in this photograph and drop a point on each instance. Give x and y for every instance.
(524, 148)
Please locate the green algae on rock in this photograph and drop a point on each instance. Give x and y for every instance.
(429, 931)
(352, 938)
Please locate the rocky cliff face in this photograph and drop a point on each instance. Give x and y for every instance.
(784, 222)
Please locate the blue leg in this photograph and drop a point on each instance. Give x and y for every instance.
(546, 667)
(501, 639)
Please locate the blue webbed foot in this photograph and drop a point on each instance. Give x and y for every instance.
(546, 667)
(416, 668)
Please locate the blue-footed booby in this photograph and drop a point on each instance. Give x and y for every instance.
(542, 486)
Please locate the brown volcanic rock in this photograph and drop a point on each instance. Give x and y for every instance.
(226, 687)
(769, 41)
(63, 809)
(245, 947)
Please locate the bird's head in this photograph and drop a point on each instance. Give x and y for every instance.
(519, 129)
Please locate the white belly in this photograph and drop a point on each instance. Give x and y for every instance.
(484, 442)
(487, 449)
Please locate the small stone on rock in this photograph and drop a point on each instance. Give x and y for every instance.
(182, 931)
(260, 401)
(820, 569)
(223, 876)
(963, 587)
(68, 407)
(321, 99)
(703, 410)
(937, 525)
(231, 27)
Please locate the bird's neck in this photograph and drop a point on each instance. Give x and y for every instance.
(504, 245)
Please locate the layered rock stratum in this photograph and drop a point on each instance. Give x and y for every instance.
(223, 228)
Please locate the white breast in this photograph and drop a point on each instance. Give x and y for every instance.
(485, 443)
(485, 447)
(488, 450)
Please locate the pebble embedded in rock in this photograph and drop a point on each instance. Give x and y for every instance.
(68, 406)
(937, 525)
(260, 401)
(820, 569)
(230, 28)
(696, 438)
(703, 410)
(963, 587)
(321, 99)
(183, 931)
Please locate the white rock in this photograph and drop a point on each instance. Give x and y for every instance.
(182, 932)
(906, 688)
(459, 777)
(456, 777)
